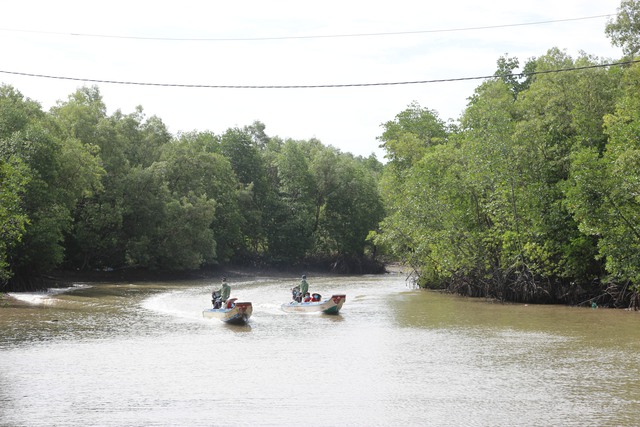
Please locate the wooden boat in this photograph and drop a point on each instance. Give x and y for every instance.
(328, 306)
(236, 313)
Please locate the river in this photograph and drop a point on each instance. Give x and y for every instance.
(140, 354)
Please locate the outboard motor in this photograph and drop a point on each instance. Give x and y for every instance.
(216, 300)
(296, 295)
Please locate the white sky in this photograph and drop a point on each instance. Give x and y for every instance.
(38, 37)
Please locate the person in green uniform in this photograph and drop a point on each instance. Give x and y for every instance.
(225, 290)
(220, 296)
(304, 286)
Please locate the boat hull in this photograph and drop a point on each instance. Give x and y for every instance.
(238, 314)
(328, 306)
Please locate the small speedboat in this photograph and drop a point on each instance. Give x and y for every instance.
(236, 313)
(328, 306)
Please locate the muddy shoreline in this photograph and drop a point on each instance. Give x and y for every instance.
(61, 278)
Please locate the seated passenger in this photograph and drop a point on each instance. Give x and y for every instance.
(307, 297)
(316, 297)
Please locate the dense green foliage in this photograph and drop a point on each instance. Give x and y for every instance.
(85, 190)
(624, 30)
(533, 196)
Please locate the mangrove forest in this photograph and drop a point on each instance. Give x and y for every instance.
(531, 195)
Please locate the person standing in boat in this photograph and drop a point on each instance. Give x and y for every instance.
(304, 286)
(225, 290)
(220, 296)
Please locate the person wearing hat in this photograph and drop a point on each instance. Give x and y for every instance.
(304, 286)
(220, 296)
(225, 290)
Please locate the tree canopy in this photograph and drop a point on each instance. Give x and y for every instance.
(85, 190)
(533, 198)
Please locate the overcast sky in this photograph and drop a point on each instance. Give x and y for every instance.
(274, 42)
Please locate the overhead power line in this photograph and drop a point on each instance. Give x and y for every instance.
(317, 86)
(234, 39)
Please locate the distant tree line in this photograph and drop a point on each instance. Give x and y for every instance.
(534, 195)
(84, 190)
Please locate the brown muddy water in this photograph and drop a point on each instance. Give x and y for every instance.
(140, 354)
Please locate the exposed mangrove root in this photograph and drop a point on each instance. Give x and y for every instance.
(522, 286)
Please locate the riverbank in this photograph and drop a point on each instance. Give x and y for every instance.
(7, 302)
(64, 278)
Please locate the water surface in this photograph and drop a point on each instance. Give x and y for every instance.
(141, 354)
